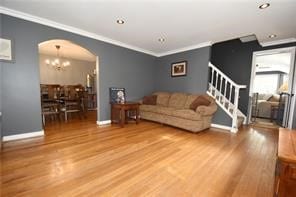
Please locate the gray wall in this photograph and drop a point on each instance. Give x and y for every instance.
(196, 80)
(222, 118)
(234, 58)
(119, 67)
(197, 71)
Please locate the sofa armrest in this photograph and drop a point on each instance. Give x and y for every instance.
(206, 110)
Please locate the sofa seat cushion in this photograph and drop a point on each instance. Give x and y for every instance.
(186, 114)
(177, 100)
(165, 110)
(150, 108)
(157, 109)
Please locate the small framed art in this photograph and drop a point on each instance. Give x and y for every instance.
(179, 69)
(117, 95)
(6, 50)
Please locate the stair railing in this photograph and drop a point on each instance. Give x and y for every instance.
(226, 93)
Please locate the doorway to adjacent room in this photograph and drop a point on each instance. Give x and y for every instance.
(271, 88)
(68, 83)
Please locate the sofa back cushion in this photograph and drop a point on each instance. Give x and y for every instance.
(199, 101)
(177, 100)
(162, 98)
(264, 96)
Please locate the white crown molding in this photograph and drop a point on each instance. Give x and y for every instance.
(78, 31)
(68, 28)
(23, 136)
(219, 126)
(277, 42)
(200, 45)
(104, 122)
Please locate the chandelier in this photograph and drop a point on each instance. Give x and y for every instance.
(58, 63)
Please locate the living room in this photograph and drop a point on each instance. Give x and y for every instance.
(140, 62)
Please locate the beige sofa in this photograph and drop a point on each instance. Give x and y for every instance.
(174, 109)
(265, 103)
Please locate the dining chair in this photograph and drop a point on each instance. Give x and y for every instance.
(50, 104)
(73, 100)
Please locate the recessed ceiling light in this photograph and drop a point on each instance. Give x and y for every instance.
(161, 39)
(264, 5)
(119, 21)
(272, 36)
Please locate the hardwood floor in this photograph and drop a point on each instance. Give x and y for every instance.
(82, 159)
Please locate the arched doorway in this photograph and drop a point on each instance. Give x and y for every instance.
(68, 82)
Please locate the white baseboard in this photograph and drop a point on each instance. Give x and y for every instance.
(220, 126)
(104, 122)
(23, 136)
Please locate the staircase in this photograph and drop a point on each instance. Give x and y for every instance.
(226, 93)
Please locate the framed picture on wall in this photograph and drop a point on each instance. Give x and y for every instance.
(6, 50)
(179, 69)
(117, 95)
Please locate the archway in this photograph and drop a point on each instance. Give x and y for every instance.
(68, 82)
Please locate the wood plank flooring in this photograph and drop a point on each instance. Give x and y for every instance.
(80, 158)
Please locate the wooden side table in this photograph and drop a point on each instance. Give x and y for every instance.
(285, 179)
(119, 111)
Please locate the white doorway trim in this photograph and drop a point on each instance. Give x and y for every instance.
(292, 73)
(98, 86)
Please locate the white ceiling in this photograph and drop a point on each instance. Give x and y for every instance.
(67, 50)
(184, 24)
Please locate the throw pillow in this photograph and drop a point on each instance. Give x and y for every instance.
(150, 100)
(199, 101)
(274, 98)
(264, 96)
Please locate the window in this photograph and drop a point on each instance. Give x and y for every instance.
(266, 83)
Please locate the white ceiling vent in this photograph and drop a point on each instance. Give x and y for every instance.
(248, 38)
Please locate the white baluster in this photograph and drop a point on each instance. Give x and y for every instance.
(234, 118)
(212, 80)
(230, 94)
(221, 82)
(216, 88)
(224, 94)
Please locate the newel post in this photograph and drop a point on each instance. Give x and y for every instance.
(234, 119)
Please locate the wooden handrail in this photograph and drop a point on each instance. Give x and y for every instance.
(226, 77)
